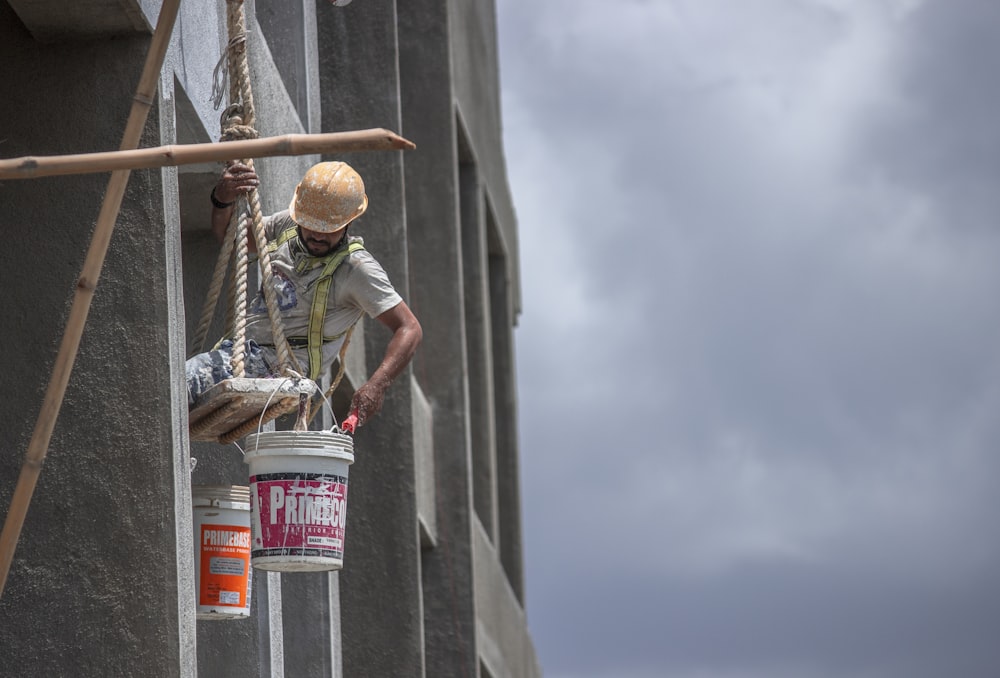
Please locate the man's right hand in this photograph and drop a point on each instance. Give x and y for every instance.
(236, 180)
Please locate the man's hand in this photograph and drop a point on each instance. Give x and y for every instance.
(236, 180)
(368, 399)
(406, 336)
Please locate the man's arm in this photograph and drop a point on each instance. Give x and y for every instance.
(406, 336)
(236, 180)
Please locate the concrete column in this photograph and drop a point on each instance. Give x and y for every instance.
(475, 277)
(93, 590)
(271, 644)
(308, 623)
(380, 583)
(505, 393)
(183, 518)
(432, 199)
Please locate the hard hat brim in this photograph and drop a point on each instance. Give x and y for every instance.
(323, 225)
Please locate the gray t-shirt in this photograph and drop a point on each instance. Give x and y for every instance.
(360, 286)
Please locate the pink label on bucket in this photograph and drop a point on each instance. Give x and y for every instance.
(298, 515)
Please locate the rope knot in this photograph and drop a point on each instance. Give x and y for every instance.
(231, 123)
(239, 133)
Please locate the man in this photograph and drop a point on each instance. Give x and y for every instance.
(312, 257)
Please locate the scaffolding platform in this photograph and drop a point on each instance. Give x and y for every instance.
(235, 407)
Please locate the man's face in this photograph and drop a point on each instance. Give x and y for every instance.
(320, 244)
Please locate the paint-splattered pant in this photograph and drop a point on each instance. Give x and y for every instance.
(207, 369)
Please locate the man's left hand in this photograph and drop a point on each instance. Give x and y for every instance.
(368, 399)
(406, 336)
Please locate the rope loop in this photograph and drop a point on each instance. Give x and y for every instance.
(231, 115)
(231, 124)
(220, 74)
(239, 133)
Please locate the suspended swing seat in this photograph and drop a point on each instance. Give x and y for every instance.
(234, 407)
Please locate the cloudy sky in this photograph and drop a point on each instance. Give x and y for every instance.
(759, 356)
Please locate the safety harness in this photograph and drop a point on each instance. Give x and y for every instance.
(315, 338)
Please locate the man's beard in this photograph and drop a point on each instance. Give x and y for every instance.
(320, 248)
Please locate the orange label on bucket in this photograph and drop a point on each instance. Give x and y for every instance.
(225, 565)
(301, 515)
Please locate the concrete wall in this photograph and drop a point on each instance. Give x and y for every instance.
(381, 600)
(435, 260)
(477, 97)
(96, 567)
(102, 580)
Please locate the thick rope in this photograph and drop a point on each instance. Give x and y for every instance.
(230, 319)
(239, 77)
(214, 290)
(273, 411)
(239, 328)
(286, 360)
(239, 70)
(210, 420)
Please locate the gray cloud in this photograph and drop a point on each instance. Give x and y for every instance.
(787, 621)
(758, 358)
(945, 144)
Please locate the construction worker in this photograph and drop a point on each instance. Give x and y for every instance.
(312, 256)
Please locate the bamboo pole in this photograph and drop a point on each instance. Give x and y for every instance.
(30, 167)
(39, 443)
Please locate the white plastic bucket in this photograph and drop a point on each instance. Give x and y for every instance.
(222, 551)
(298, 496)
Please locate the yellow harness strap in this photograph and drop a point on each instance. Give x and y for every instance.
(282, 238)
(317, 314)
(317, 317)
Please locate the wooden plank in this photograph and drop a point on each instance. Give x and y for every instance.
(30, 167)
(232, 403)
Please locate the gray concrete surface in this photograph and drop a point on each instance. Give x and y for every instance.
(101, 584)
(380, 585)
(175, 330)
(428, 104)
(95, 567)
(50, 21)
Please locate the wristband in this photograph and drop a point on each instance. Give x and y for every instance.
(218, 203)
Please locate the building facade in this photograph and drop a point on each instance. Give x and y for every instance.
(102, 582)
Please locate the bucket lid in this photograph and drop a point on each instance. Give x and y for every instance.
(210, 493)
(304, 443)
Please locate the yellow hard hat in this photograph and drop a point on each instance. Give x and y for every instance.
(330, 196)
